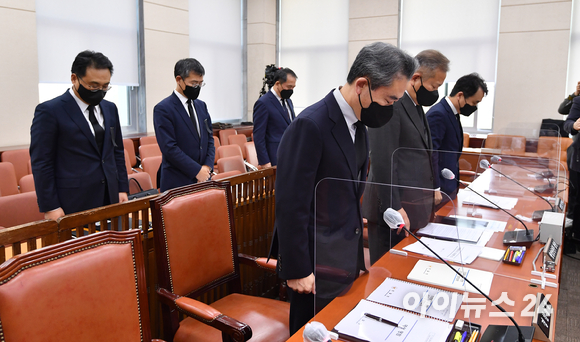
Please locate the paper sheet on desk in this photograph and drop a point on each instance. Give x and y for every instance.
(468, 197)
(460, 253)
(439, 274)
(472, 222)
(448, 232)
(412, 328)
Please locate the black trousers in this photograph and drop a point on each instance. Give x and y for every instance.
(302, 308)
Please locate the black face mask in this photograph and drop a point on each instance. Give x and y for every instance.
(91, 97)
(191, 92)
(425, 97)
(375, 115)
(467, 109)
(286, 93)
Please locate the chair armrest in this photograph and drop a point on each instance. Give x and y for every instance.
(238, 331)
(467, 173)
(263, 263)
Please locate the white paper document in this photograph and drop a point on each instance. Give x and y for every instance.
(492, 253)
(468, 197)
(472, 222)
(411, 327)
(441, 275)
(461, 253)
(421, 299)
(448, 232)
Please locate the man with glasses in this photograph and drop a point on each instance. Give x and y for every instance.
(76, 147)
(183, 129)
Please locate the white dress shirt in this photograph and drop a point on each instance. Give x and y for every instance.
(347, 112)
(184, 100)
(451, 105)
(85, 109)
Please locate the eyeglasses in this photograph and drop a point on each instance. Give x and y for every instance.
(93, 88)
(196, 84)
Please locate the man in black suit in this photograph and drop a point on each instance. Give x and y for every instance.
(401, 155)
(76, 147)
(328, 139)
(273, 113)
(183, 129)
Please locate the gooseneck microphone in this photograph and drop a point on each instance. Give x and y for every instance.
(541, 189)
(395, 221)
(514, 237)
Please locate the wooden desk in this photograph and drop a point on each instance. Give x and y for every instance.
(513, 280)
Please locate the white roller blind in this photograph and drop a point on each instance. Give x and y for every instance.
(465, 31)
(215, 40)
(574, 57)
(67, 27)
(314, 44)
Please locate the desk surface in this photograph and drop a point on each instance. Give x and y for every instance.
(513, 280)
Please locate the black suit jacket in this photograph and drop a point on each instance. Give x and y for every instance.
(270, 122)
(317, 198)
(183, 151)
(69, 170)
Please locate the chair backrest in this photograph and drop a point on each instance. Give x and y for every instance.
(465, 139)
(148, 140)
(223, 175)
(548, 147)
(8, 180)
(19, 209)
(231, 164)
(144, 180)
(195, 240)
(251, 154)
(225, 133)
(228, 151)
(240, 140)
(13, 239)
(151, 166)
(216, 142)
(88, 289)
(150, 150)
(130, 148)
(128, 163)
(514, 144)
(26, 184)
(18, 158)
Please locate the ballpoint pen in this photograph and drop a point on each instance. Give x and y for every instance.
(382, 320)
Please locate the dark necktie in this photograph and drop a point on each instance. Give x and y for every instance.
(360, 146)
(460, 127)
(286, 109)
(424, 121)
(192, 116)
(99, 130)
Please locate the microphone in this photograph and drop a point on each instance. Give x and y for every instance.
(515, 237)
(537, 215)
(395, 221)
(316, 332)
(542, 189)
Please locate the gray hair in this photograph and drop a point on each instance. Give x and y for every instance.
(185, 66)
(381, 63)
(431, 60)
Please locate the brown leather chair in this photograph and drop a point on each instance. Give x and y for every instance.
(240, 140)
(147, 140)
(130, 148)
(88, 289)
(18, 158)
(19, 209)
(216, 145)
(196, 252)
(465, 139)
(225, 133)
(251, 155)
(26, 184)
(151, 166)
(230, 164)
(508, 144)
(223, 175)
(225, 151)
(128, 163)
(150, 150)
(144, 180)
(553, 148)
(8, 180)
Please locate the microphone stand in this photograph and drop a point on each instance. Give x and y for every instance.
(544, 174)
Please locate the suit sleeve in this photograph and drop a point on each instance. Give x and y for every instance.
(166, 138)
(384, 142)
(210, 156)
(565, 106)
(260, 127)
(573, 116)
(298, 160)
(437, 127)
(119, 151)
(43, 144)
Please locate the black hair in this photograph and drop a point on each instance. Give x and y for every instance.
(382, 63)
(91, 59)
(469, 85)
(185, 66)
(274, 74)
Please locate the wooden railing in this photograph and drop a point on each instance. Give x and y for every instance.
(253, 197)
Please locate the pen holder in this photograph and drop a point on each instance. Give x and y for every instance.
(514, 255)
(471, 330)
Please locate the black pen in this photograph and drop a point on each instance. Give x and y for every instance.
(382, 320)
